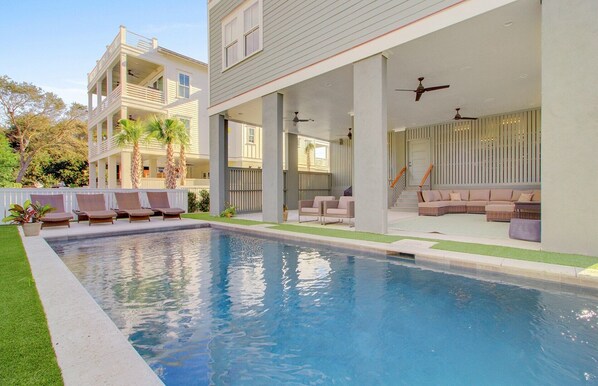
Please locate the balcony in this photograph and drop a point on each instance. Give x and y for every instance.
(139, 95)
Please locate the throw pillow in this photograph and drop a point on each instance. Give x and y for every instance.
(525, 197)
(455, 197)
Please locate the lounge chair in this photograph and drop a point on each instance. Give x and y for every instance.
(159, 204)
(313, 208)
(94, 207)
(58, 217)
(342, 208)
(129, 204)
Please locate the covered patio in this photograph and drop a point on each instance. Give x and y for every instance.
(497, 73)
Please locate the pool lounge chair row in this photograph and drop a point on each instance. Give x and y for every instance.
(92, 207)
(324, 207)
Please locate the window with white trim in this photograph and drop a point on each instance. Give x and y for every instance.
(251, 134)
(242, 33)
(184, 85)
(321, 152)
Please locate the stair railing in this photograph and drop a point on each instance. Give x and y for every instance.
(423, 181)
(397, 186)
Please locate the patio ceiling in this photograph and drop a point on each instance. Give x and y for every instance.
(492, 63)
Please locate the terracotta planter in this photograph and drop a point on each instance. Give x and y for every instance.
(32, 228)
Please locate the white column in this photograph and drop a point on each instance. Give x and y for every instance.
(125, 170)
(102, 173)
(124, 112)
(569, 132)
(99, 135)
(112, 183)
(153, 168)
(92, 175)
(218, 164)
(89, 104)
(123, 74)
(370, 145)
(99, 91)
(110, 129)
(272, 175)
(108, 81)
(292, 171)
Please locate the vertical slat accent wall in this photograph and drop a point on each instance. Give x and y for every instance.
(495, 150)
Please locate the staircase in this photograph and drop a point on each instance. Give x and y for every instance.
(407, 201)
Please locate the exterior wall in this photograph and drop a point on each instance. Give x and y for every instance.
(341, 166)
(491, 151)
(570, 136)
(320, 30)
(396, 153)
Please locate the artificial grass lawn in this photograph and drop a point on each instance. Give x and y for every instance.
(26, 353)
(208, 217)
(455, 246)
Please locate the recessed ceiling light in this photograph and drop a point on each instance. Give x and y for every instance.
(508, 24)
(523, 76)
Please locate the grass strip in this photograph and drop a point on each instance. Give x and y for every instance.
(232, 220)
(26, 353)
(365, 236)
(571, 260)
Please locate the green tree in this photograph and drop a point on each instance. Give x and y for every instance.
(132, 133)
(35, 120)
(183, 143)
(169, 131)
(9, 162)
(309, 148)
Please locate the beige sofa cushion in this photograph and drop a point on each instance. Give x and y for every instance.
(338, 211)
(464, 194)
(455, 197)
(428, 196)
(343, 202)
(310, 210)
(537, 197)
(525, 197)
(477, 203)
(479, 195)
(319, 199)
(501, 194)
(445, 195)
(517, 193)
(432, 204)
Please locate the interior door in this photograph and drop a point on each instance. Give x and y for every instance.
(419, 160)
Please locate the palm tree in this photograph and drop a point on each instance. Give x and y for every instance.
(169, 131)
(309, 147)
(132, 133)
(184, 142)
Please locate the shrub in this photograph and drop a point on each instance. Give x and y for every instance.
(204, 201)
(192, 202)
(229, 212)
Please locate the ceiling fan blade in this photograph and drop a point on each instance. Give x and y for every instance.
(404, 89)
(470, 118)
(303, 120)
(418, 96)
(437, 87)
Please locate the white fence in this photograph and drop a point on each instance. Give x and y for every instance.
(177, 197)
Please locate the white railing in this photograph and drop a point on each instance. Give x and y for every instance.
(145, 93)
(177, 197)
(158, 183)
(109, 100)
(104, 59)
(138, 41)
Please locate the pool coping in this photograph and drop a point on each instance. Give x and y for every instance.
(90, 348)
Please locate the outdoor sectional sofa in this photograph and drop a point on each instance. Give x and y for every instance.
(497, 204)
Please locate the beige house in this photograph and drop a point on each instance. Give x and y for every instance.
(137, 79)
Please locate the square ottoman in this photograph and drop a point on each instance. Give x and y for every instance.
(524, 229)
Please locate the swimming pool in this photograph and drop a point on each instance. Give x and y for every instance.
(212, 307)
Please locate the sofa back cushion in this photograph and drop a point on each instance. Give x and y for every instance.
(319, 199)
(537, 197)
(501, 194)
(428, 196)
(517, 193)
(479, 195)
(456, 197)
(525, 197)
(343, 202)
(445, 195)
(437, 195)
(464, 194)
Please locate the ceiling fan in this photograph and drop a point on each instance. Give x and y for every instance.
(349, 135)
(458, 116)
(297, 120)
(421, 89)
(131, 73)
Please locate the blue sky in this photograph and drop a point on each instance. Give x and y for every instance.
(54, 44)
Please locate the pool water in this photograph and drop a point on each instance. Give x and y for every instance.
(212, 307)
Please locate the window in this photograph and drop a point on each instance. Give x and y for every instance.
(184, 86)
(251, 135)
(321, 152)
(242, 33)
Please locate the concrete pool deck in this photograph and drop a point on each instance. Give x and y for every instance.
(91, 350)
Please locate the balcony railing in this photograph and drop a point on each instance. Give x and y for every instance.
(134, 91)
(124, 37)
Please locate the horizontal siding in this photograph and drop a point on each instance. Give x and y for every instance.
(299, 33)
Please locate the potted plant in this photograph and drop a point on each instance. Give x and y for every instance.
(28, 216)
(285, 213)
